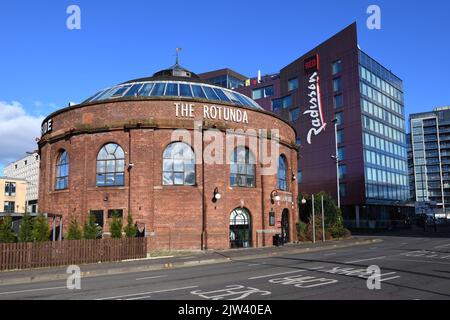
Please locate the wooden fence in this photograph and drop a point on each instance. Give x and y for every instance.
(69, 252)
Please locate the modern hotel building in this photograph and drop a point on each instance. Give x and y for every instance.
(338, 83)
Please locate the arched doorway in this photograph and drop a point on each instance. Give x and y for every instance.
(285, 226)
(240, 228)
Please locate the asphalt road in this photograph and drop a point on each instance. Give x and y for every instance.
(411, 268)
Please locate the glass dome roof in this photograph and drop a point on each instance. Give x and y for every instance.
(173, 82)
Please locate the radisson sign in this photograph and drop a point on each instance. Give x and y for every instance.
(311, 67)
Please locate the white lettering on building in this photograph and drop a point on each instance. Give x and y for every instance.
(47, 127)
(212, 112)
(315, 108)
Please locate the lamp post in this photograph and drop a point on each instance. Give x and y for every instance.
(336, 159)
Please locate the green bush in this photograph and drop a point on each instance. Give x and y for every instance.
(115, 227)
(26, 228)
(91, 230)
(74, 231)
(130, 229)
(41, 230)
(6, 233)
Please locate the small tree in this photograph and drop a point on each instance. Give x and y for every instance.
(6, 233)
(130, 229)
(74, 231)
(115, 226)
(91, 230)
(41, 230)
(26, 228)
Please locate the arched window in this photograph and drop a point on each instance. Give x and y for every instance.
(282, 173)
(239, 217)
(62, 171)
(178, 165)
(242, 168)
(110, 166)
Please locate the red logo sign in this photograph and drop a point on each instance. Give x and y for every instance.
(311, 64)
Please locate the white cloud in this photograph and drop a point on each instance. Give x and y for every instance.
(18, 131)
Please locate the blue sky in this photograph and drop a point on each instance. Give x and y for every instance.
(43, 65)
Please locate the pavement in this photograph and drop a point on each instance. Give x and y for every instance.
(407, 267)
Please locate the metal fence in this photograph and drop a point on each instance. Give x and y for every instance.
(69, 252)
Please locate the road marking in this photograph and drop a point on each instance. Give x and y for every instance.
(139, 298)
(143, 293)
(147, 278)
(330, 254)
(443, 246)
(32, 290)
(289, 272)
(256, 264)
(424, 261)
(276, 274)
(373, 248)
(362, 260)
(391, 278)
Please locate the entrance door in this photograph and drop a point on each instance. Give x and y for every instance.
(240, 229)
(285, 226)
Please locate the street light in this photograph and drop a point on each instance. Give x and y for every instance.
(336, 159)
(217, 196)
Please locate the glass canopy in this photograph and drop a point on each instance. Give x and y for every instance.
(174, 89)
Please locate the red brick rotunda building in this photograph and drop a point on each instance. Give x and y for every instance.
(144, 148)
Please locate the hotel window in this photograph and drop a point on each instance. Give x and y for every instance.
(111, 166)
(242, 168)
(337, 84)
(292, 84)
(342, 171)
(294, 114)
(262, 92)
(341, 153)
(178, 165)
(62, 171)
(282, 173)
(299, 176)
(339, 118)
(9, 207)
(338, 101)
(10, 189)
(343, 190)
(284, 103)
(336, 67)
(340, 136)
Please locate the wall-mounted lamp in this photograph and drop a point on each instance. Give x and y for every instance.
(294, 177)
(217, 195)
(130, 166)
(274, 196)
(106, 198)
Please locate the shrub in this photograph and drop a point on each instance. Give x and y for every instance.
(6, 233)
(91, 230)
(26, 228)
(74, 231)
(41, 230)
(115, 227)
(130, 229)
